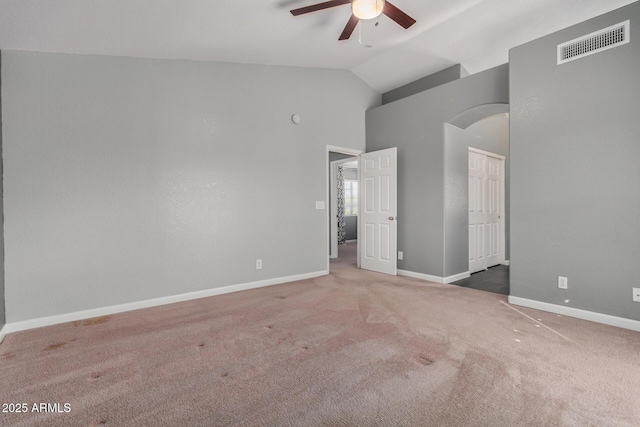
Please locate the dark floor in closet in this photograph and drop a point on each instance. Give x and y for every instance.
(495, 279)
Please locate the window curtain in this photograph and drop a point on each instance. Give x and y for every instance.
(342, 225)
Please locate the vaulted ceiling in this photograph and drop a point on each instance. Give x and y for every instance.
(475, 33)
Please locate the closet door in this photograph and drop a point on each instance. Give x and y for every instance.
(477, 212)
(485, 210)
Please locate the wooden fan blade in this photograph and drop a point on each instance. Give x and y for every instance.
(319, 6)
(348, 29)
(397, 15)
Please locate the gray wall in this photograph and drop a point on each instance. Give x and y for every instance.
(338, 156)
(575, 198)
(416, 126)
(490, 134)
(351, 228)
(2, 304)
(436, 79)
(129, 179)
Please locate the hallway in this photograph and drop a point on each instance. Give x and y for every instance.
(495, 279)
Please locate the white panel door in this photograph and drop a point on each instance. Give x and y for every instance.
(378, 211)
(477, 214)
(485, 207)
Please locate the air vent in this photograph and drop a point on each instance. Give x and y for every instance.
(598, 41)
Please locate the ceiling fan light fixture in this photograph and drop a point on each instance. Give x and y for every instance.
(367, 9)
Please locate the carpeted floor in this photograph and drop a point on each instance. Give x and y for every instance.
(353, 348)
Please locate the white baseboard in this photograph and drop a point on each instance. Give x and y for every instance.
(3, 333)
(437, 279)
(506, 262)
(422, 276)
(592, 316)
(457, 277)
(113, 309)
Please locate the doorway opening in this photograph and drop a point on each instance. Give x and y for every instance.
(477, 198)
(376, 201)
(343, 204)
(486, 223)
(337, 156)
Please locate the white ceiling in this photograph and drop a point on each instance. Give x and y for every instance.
(475, 33)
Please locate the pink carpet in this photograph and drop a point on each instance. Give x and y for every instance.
(354, 348)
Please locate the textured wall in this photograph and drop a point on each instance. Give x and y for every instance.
(575, 198)
(129, 179)
(436, 79)
(416, 126)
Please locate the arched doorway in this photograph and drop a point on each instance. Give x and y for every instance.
(484, 130)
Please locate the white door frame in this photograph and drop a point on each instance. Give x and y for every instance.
(333, 197)
(341, 150)
(501, 226)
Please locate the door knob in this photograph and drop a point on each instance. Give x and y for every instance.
(390, 218)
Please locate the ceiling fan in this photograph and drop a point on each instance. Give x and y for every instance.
(361, 9)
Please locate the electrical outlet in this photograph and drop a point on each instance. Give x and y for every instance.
(400, 255)
(258, 264)
(636, 294)
(563, 282)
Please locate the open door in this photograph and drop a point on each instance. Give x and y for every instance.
(378, 211)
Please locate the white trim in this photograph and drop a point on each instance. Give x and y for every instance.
(436, 279)
(422, 276)
(487, 153)
(502, 243)
(506, 262)
(359, 217)
(592, 316)
(343, 150)
(3, 332)
(457, 277)
(113, 309)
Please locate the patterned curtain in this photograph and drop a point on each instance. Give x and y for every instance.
(342, 229)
